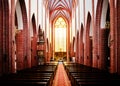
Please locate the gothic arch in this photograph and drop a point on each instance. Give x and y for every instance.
(26, 51)
(74, 47)
(18, 45)
(96, 33)
(67, 35)
(47, 49)
(66, 20)
(33, 41)
(34, 24)
(104, 50)
(99, 19)
(77, 46)
(22, 37)
(81, 45)
(18, 16)
(87, 49)
(105, 17)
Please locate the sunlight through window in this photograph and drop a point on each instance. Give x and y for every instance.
(60, 35)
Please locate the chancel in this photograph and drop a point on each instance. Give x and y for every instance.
(59, 42)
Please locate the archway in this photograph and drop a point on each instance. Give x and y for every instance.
(33, 36)
(81, 45)
(104, 60)
(77, 45)
(96, 34)
(88, 42)
(101, 49)
(73, 51)
(60, 27)
(18, 36)
(21, 36)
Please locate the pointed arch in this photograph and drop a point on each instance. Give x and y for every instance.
(96, 33)
(102, 17)
(104, 50)
(33, 41)
(22, 38)
(67, 35)
(77, 47)
(26, 45)
(88, 23)
(74, 48)
(105, 17)
(34, 24)
(18, 16)
(87, 51)
(55, 19)
(81, 32)
(81, 45)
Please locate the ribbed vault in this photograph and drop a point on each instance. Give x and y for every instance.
(60, 8)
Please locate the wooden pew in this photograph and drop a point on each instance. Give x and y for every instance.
(40, 75)
(81, 75)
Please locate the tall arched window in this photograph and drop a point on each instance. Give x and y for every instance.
(60, 35)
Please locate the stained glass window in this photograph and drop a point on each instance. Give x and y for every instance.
(60, 35)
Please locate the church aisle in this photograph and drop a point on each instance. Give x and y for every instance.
(61, 78)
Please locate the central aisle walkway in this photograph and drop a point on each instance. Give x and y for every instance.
(61, 78)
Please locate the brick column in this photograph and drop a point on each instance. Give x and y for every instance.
(34, 51)
(113, 37)
(81, 46)
(87, 41)
(26, 34)
(33, 43)
(1, 36)
(103, 49)
(96, 31)
(13, 33)
(6, 37)
(90, 51)
(77, 47)
(20, 50)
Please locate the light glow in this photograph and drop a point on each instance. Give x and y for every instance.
(60, 35)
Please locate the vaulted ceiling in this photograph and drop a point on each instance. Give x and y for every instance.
(60, 8)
